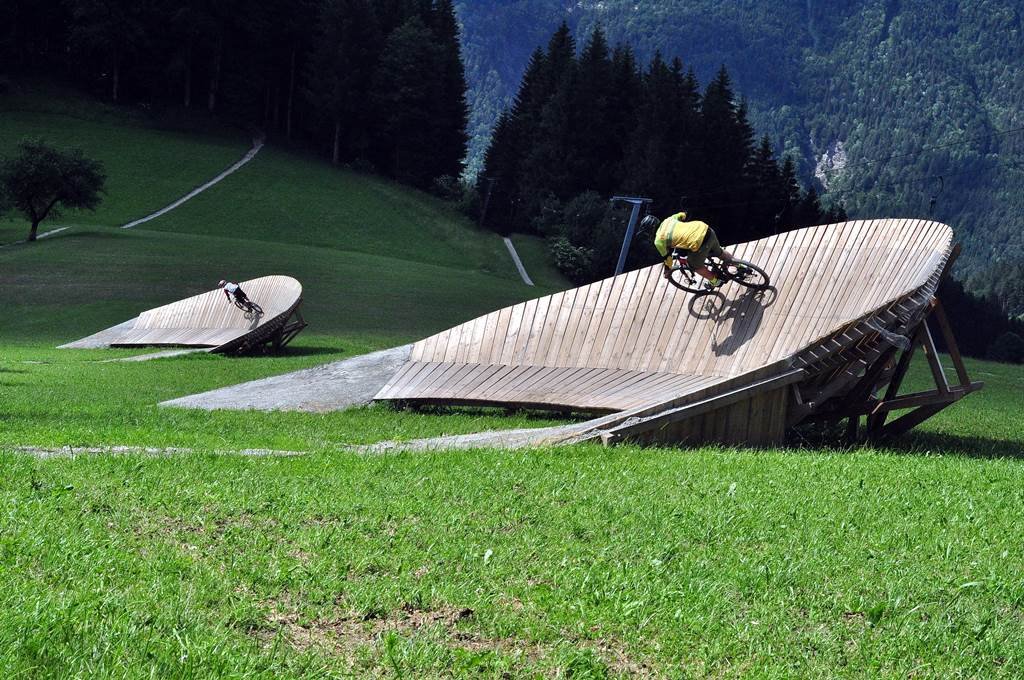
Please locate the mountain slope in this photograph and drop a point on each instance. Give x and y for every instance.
(897, 93)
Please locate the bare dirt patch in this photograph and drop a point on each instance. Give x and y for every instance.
(347, 636)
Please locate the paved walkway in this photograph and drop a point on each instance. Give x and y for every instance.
(257, 144)
(517, 261)
(38, 236)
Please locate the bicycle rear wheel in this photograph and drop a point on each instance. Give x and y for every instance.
(747, 274)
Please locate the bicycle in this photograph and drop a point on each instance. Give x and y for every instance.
(251, 309)
(747, 274)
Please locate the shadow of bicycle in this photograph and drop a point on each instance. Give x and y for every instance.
(742, 316)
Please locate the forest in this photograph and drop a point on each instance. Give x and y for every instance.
(584, 127)
(379, 84)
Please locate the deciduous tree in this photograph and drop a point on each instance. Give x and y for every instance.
(41, 181)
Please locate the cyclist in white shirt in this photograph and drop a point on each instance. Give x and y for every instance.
(233, 292)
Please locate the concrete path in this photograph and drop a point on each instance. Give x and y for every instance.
(38, 236)
(517, 261)
(257, 144)
(163, 354)
(331, 387)
(72, 451)
(557, 435)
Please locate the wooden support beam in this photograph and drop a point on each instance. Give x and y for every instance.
(924, 398)
(938, 374)
(909, 421)
(950, 340)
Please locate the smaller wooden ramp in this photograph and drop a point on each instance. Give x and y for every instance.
(209, 320)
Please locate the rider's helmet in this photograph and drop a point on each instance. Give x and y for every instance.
(649, 222)
(222, 283)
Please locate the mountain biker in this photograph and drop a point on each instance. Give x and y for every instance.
(233, 290)
(695, 237)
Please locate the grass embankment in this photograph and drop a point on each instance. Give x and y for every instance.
(703, 562)
(375, 258)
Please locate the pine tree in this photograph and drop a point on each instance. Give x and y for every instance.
(593, 138)
(404, 93)
(548, 156)
(509, 144)
(789, 196)
(338, 75)
(451, 114)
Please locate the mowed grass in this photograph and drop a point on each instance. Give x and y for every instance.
(86, 398)
(84, 280)
(282, 197)
(581, 561)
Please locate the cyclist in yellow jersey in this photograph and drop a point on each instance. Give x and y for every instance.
(695, 237)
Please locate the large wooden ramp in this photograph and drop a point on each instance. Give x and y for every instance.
(735, 365)
(209, 320)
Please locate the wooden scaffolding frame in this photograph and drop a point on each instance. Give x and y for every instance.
(885, 367)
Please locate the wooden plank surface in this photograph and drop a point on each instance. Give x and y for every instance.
(634, 332)
(210, 319)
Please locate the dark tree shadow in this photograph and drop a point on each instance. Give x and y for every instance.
(301, 351)
(815, 436)
(932, 443)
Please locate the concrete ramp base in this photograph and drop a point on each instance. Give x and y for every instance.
(331, 387)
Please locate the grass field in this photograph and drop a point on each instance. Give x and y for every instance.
(806, 561)
(581, 561)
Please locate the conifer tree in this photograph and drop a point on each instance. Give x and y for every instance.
(338, 74)
(596, 147)
(404, 92)
(451, 115)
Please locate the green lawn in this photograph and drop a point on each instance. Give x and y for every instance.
(578, 561)
(808, 561)
(285, 198)
(89, 278)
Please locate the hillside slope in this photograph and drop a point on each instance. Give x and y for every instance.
(377, 259)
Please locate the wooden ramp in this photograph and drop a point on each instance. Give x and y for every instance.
(734, 366)
(210, 320)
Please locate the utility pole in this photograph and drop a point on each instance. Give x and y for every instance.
(636, 202)
(487, 199)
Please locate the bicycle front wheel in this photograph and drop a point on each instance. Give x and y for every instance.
(686, 279)
(747, 274)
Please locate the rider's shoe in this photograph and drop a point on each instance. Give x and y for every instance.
(711, 284)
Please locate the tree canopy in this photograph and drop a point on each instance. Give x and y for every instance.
(583, 127)
(41, 181)
(378, 83)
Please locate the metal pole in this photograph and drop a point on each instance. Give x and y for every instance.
(628, 238)
(630, 229)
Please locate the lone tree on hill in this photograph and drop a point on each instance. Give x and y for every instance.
(41, 181)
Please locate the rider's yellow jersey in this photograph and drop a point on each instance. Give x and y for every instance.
(674, 233)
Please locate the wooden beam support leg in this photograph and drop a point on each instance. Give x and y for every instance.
(910, 420)
(951, 346)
